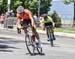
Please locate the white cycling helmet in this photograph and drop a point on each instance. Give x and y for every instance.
(20, 9)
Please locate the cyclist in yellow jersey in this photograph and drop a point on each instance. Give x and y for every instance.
(48, 21)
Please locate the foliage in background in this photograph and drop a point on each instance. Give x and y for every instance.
(30, 4)
(66, 1)
(3, 6)
(1, 1)
(34, 4)
(56, 19)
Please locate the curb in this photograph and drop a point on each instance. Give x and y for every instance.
(58, 34)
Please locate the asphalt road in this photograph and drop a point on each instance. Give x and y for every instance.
(12, 46)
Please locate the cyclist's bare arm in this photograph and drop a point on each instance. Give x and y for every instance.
(32, 21)
(18, 23)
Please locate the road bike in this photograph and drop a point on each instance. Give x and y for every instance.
(50, 35)
(31, 45)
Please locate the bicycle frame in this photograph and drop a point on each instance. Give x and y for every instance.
(30, 44)
(50, 34)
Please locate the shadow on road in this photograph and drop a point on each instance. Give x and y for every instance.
(42, 54)
(5, 48)
(4, 38)
(6, 51)
(10, 40)
(4, 44)
(55, 45)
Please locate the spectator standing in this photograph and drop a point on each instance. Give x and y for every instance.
(2, 19)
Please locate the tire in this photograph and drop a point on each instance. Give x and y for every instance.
(51, 43)
(39, 49)
(51, 36)
(29, 45)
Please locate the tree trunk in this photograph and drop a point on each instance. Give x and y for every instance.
(74, 15)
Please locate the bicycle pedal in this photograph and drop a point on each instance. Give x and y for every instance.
(48, 40)
(54, 38)
(37, 43)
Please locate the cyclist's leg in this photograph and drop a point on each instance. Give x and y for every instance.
(36, 35)
(25, 24)
(52, 29)
(47, 24)
(47, 33)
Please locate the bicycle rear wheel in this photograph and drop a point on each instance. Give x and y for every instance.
(39, 49)
(29, 45)
(52, 43)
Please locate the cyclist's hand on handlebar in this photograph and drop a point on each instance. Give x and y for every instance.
(18, 30)
(19, 26)
(34, 25)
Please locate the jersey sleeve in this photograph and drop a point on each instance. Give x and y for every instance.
(51, 20)
(18, 16)
(28, 12)
(47, 21)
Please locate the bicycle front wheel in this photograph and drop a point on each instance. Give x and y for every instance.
(50, 36)
(29, 45)
(39, 50)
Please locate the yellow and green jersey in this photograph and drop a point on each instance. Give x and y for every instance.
(49, 19)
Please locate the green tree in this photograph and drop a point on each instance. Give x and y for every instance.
(56, 19)
(30, 4)
(1, 2)
(68, 2)
(3, 6)
(15, 4)
(33, 5)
